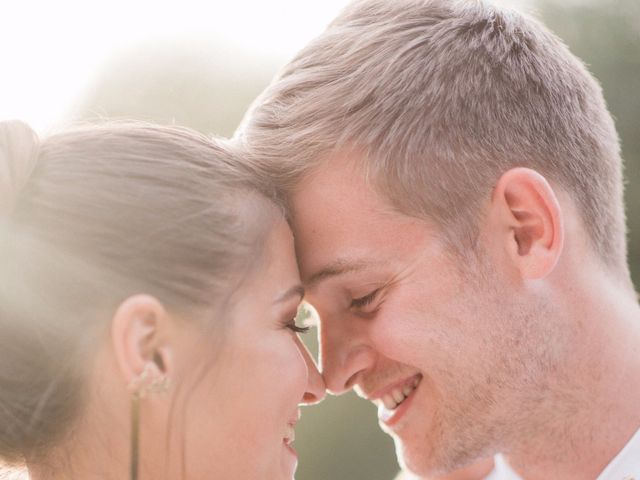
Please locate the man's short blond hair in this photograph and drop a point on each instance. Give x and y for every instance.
(443, 97)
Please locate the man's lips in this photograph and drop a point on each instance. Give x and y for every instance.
(394, 391)
(390, 398)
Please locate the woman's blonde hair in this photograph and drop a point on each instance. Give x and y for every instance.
(90, 217)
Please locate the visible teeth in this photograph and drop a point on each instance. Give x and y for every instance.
(290, 435)
(389, 402)
(398, 395)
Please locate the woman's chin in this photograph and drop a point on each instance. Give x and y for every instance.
(289, 461)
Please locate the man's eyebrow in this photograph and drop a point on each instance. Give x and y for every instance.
(295, 291)
(334, 269)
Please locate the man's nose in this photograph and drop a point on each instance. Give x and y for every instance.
(316, 388)
(345, 353)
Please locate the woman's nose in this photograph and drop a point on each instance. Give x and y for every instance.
(316, 389)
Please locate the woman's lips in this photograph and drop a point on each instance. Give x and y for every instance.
(290, 434)
(290, 430)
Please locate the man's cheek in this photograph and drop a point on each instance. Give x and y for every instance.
(396, 337)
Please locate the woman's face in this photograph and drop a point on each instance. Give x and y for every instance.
(240, 412)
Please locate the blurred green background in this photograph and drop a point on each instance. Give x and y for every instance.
(209, 86)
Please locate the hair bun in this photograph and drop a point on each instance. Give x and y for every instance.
(19, 146)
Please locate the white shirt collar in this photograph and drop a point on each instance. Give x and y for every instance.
(502, 470)
(626, 465)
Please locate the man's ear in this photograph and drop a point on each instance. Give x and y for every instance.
(138, 334)
(528, 218)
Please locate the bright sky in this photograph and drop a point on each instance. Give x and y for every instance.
(50, 50)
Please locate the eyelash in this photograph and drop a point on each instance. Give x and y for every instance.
(296, 328)
(364, 301)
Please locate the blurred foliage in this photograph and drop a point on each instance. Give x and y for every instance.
(606, 35)
(208, 87)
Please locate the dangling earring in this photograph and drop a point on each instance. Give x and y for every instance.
(150, 381)
(135, 435)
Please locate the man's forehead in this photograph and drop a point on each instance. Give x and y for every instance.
(338, 172)
(339, 188)
(337, 267)
(342, 225)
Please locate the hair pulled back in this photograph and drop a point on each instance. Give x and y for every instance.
(87, 218)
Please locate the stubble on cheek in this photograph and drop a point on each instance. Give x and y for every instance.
(466, 395)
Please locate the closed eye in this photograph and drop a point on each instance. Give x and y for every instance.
(297, 328)
(304, 319)
(358, 303)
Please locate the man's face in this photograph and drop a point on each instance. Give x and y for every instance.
(404, 325)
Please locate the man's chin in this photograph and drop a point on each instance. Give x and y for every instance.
(416, 470)
(418, 460)
(424, 461)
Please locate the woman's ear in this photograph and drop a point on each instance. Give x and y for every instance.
(527, 218)
(139, 333)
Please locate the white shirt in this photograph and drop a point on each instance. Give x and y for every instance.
(625, 466)
(502, 471)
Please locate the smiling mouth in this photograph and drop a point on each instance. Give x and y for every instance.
(290, 431)
(290, 435)
(391, 400)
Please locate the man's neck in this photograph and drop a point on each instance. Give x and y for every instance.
(595, 406)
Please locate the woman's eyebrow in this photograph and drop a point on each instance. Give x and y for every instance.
(295, 291)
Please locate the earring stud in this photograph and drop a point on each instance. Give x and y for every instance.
(150, 381)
